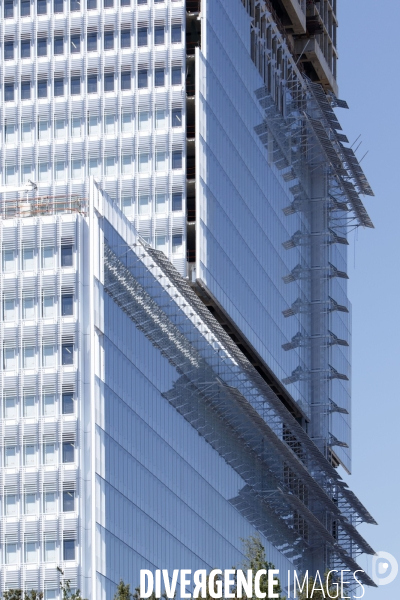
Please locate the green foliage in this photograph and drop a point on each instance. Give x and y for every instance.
(123, 592)
(136, 595)
(256, 561)
(18, 595)
(67, 593)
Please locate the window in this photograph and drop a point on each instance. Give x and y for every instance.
(125, 80)
(10, 131)
(30, 504)
(76, 130)
(144, 120)
(93, 125)
(11, 554)
(75, 5)
(58, 6)
(127, 206)
(94, 167)
(66, 256)
(177, 117)
(11, 505)
(10, 407)
(28, 259)
(9, 309)
(159, 78)
(176, 76)
(25, 48)
(142, 36)
(161, 242)
(49, 507)
(126, 164)
(125, 2)
(48, 307)
(50, 594)
(59, 45)
(28, 308)
(67, 403)
(30, 552)
(177, 240)
(144, 204)
(29, 455)
(69, 549)
(142, 79)
(44, 130)
(159, 35)
(25, 8)
(42, 88)
(60, 170)
(144, 162)
(91, 4)
(75, 44)
(48, 355)
(59, 87)
(126, 122)
(75, 86)
(161, 121)
(27, 171)
(177, 159)
(177, 201)
(25, 90)
(67, 354)
(29, 357)
(76, 168)
(92, 84)
(48, 257)
(8, 9)
(42, 47)
(9, 359)
(92, 42)
(108, 40)
(68, 500)
(41, 7)
(68, 452)
(67, 305)
(8, 261)
(50, 550)
(109, 124)
(29, 406)
(109, 166)
(49, 404)
(161, 161)
(9, 92)
(49, 454)
(108, 3)
(10, 456)
(161, 204)
(176, 34)
(125, 38)
(109, 82)
(44, 173)
(8, 50)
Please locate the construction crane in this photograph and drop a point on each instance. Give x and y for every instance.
(29, 186)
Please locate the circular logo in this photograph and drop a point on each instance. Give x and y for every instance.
(384, 568)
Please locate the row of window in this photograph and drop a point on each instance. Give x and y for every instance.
(31, 553)
(57, 6)
(48, 354)
(48, 258)
(92, 84)
(109, 42)
(93, 126)
(110, 167)
(30, 454)
(30, 405)
(28, 308)
(30, 503)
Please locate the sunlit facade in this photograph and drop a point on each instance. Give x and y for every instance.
(175, 330)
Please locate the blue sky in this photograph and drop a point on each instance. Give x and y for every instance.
(369, 81)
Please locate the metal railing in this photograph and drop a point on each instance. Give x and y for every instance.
(43, 205)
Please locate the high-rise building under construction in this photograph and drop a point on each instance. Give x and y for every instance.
(176, 195)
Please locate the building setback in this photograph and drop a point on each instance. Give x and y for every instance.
(175, 329)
